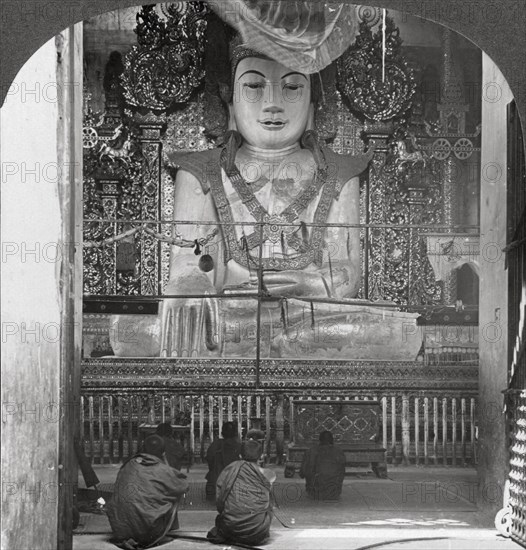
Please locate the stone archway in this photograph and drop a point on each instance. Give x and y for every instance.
(53, 281)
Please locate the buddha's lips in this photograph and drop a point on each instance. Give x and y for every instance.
(271, 124)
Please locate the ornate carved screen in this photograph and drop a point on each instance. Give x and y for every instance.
(349, 423)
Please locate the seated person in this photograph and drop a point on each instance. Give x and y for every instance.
(243, 500)
(219, 455)
(323, 468)
(173, 450)
(146, 495)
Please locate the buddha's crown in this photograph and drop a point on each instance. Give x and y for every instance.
(239, 50)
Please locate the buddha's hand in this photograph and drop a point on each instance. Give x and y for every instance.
(186, 322)
(296, 283)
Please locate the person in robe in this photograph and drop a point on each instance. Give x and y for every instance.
(220, 454)
(173, 450)
(146, 494)
(243, 500)
(323, 469)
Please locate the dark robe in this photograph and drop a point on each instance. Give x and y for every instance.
(220, 454)
(144, 498)
(174, 452)
(323, 468)
(243, 503)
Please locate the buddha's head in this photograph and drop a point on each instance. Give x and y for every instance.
(271, 104)
(256, 90)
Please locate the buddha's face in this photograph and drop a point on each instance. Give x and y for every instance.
(271, 103)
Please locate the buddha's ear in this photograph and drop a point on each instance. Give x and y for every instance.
(310, 120)
(231, 119)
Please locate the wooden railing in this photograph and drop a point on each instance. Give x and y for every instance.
(429, 414)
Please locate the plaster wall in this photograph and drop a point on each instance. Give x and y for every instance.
(493, 455)
(31, 305)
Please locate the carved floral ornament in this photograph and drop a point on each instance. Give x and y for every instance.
(373, 75)
(167, 64)
(239, 374)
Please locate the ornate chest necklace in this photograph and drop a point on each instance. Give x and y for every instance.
(273, 228)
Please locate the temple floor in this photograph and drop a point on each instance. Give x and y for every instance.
(415, 507)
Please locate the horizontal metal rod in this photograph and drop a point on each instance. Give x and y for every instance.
(255, 296)
(158, 297)
(256, 223)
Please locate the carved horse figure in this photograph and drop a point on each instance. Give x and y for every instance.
(403, 157)
(117, 147)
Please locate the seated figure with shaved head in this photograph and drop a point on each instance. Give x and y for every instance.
(146, 495)
(323, 468)
(243, 499)
(220, 454)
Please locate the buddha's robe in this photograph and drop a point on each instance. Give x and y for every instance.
(323, 468)
(144, 498)
(210, 195)
(243, 503)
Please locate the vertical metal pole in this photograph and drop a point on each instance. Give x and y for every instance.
(258, 318)
(366, 241)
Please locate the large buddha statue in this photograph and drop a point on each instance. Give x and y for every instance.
(285, 206)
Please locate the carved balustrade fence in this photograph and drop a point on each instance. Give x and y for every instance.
(429, 413)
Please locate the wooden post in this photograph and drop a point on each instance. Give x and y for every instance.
(220, 413)
(417, 431)
(91, 428)
(393, 429)
(473, 442)
(201, 427)
(101, 428)
(454, 431)
(172, 408)
(229, 409)
(463, 430)
(120, 436)
(435, 430)
(239, 416)
(130, 425)
(249, 411)
(493, 308)
(151, 411)
(444, 431)
(163, 403)
(211, 417)
(267, 427)
(192, 431)
(110, 429)
(384, 422)
(280, 425)
(426, 429)
(405, 429)
(82, 419)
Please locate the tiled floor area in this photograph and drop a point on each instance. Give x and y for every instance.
(416, 508)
